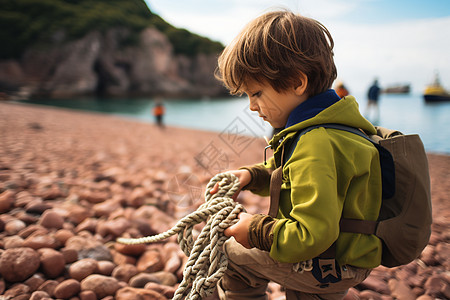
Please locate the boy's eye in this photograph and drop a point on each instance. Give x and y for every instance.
(257, 94)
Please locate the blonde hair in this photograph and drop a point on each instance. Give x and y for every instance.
(276, 48)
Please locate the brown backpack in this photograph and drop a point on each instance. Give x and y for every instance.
(404, 222)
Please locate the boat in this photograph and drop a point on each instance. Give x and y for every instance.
(398, 89)
(435, 92)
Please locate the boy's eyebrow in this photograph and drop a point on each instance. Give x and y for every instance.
(250, 92)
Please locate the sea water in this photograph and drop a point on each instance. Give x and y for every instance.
(407, 113)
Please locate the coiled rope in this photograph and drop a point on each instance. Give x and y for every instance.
(206, 263)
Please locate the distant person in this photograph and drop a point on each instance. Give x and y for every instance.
(158, 113)
(373, 96)
(341, 90)
(286, 59)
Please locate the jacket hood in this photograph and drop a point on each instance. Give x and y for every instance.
(344, 111)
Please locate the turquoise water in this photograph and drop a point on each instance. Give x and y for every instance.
(407, 113)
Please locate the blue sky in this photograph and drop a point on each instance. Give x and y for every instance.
(397, 41)
(387, 11)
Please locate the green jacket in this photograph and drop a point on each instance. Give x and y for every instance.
(331, 173)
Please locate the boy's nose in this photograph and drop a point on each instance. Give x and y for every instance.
(253, 106)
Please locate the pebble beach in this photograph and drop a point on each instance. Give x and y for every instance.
(72, 182)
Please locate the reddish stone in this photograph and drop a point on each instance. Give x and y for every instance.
(106, 267)
(114, 228)
(133, 250)
(16, 290)
(18, 264)
(352, 294)
(104, 209)
(6, 201)
(81, 241)
(66, 289)
(41, 241)
(94, 196)
(169, 291)
(52, 193)
(26, 218)
(434, 285)
(427, 255)
(137, 198)
(14, 241)
(157, 219)
(102, 286)
(150, 262)
(39, 295)
(127, 293)
(418, 291)
(165, 278)
(37, 207)
(141, 279)
(49, 287)
(83, 268)
(63, 235)
(173, 263)
(24, 199)
(443, 254)
(78, 214)
(34, 282)
(14, 226)
(400, 290)
(33, 229)
(124, 272)
(52, 262)
(122, 259)
(445, 290)
(87, 295)
(425, 297)
(404, 274)
(375, 284)
(370, 295)
(70, 255)
(435, 238)
(51, 219)
(88, 224)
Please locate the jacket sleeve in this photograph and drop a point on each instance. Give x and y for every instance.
(309, 224)
(260, 173)
(260, 234)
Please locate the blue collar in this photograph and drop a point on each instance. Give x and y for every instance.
(312, 106)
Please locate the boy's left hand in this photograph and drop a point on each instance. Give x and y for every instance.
(240, 230)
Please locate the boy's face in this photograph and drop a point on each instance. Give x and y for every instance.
(272, 106)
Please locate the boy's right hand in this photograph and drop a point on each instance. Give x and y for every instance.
(244, 177)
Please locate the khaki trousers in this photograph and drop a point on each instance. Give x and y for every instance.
(250, 270)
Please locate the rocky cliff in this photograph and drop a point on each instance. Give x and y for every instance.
(100, 64)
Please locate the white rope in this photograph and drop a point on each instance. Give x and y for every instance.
(206, 263)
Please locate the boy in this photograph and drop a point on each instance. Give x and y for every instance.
(284, 63)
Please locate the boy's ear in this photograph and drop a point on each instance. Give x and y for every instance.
(302, 84)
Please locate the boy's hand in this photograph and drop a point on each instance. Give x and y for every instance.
(240, 229)
(244, 177)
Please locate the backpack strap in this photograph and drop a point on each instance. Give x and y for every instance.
(358, 226)
(276, 180)
(299, 134)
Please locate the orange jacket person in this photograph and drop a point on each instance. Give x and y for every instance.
(158, 112)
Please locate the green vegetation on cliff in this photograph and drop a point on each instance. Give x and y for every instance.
(24, 23)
